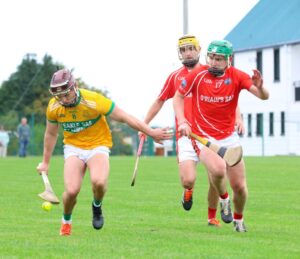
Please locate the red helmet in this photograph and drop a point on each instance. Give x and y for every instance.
(62, 82)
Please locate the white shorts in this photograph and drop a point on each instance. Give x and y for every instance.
(186, 150)
(84, 154)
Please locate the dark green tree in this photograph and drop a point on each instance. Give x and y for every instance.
(26, 93)
(26, 90)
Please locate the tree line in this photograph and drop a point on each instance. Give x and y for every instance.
(26, 94)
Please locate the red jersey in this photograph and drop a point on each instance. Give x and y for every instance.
(170, 87)
(215, 100)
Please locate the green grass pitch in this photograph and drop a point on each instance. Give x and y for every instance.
(147, 220)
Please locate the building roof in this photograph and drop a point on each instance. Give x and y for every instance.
(270, 23)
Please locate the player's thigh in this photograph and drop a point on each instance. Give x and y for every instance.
(213, 163)
(209, 177)
(98, 166)
(74, 169)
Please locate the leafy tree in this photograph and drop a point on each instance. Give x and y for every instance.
(26, 93)
(26, 90)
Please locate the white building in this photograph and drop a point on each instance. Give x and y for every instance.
(268, 38)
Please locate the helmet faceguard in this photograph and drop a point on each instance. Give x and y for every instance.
(221, 48)
(62, 83)
(188, 42)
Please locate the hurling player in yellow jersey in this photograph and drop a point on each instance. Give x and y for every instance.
(87, 140)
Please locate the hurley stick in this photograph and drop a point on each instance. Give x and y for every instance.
(48, 194)
(231, 155)
(138, 154)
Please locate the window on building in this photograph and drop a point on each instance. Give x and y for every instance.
(259, 124)
(259, 61)
(249, 125)
(297, 90)
(297, 93)
(282, 123)
(241, 134)
(271, 124)
(276, 65)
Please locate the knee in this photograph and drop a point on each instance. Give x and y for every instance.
(219, 170)
(188, 180)
(239, 188)
(188, 183)
(72, 192)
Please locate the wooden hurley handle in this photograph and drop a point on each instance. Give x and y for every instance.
(201, 140)
(46, 182)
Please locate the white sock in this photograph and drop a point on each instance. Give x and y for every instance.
(66, 221)
(227, 199)
(97, 205)
(238, 220)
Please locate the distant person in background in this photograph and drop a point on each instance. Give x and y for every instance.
(4, 140)
(23, 131)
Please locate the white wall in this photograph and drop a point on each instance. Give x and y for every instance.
(282, 99)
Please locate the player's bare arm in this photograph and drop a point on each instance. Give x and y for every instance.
(239, 121)
(157, 134)
(154, 109)
(152, 112)
(257, 88)
(178, 105)
(50, 139)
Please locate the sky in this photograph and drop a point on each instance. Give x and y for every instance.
(127, 47)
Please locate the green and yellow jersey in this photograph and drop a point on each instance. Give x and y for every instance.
(84, 125)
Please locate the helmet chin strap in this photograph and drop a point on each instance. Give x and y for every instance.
(67, 104)
(216, 71)
(190, 63)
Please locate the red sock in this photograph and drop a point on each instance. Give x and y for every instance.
(212, 213)
(224, 196)
(237, 216)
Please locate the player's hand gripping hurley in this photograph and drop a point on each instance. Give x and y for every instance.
(231, 155)
(138, 154)
(48, 194)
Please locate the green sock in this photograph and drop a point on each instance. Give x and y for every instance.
(97, 203)
(67, 217)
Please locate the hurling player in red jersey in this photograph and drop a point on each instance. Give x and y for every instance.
(188, 52)
(215, 89)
